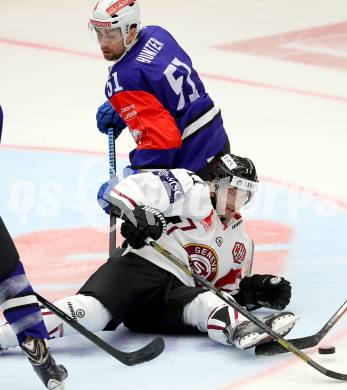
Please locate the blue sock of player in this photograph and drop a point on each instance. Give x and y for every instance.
(20, 305)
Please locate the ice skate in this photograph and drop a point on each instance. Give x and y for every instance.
(51, 374)
(248, 335)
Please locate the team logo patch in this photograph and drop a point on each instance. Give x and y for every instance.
(203, 260)
(137, 135)
(275, 280)
(172, 185)
(219, 241)
(239, 252)
(118, 5)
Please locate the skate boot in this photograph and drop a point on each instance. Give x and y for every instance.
(247, 335)
(51, 374)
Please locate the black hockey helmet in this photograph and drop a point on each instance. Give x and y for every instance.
(235, 171)
(229, 165)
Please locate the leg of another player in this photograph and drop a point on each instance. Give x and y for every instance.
(86, 310)
(23, 315)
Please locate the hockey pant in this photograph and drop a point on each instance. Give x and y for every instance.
(145, 298)
(206, 313)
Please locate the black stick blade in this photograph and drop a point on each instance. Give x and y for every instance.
(273, 348)
(335, 375)
(145, 354)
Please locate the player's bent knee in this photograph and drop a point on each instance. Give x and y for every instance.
(86, 310)
(9, 256)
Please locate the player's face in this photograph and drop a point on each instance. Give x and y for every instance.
(230, 199)
(111, 42)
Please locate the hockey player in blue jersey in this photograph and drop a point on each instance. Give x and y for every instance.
(22, 311)
(154, 90)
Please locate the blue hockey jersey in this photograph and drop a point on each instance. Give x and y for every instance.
(1, 121)
(162, 100)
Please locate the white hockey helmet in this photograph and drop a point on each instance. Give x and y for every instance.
(112, 14)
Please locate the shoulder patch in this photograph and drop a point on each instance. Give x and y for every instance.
(172, 186)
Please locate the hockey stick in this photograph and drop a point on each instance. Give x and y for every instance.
(247, 269)
(285, 343)
(157, 345)
(112, 169)
(148, 352)
(273, 348)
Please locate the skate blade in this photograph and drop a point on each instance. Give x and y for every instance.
(54, 385)
(282, 325)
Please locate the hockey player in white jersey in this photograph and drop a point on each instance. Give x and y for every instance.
(198, 222)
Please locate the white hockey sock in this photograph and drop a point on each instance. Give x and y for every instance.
(8, 337)
(210, 314)
(88, 311)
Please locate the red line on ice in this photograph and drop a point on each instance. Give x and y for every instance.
(249, 83)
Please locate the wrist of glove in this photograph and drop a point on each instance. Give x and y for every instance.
(264, 291)
(147, 222)
(108, 118)
(104, 197)
(104, 193)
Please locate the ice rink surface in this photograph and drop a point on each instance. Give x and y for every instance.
(278, 70)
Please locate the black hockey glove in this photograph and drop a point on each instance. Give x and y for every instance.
(264, 291)
(148, 222)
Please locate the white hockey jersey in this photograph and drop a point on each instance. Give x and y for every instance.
(194, 232)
